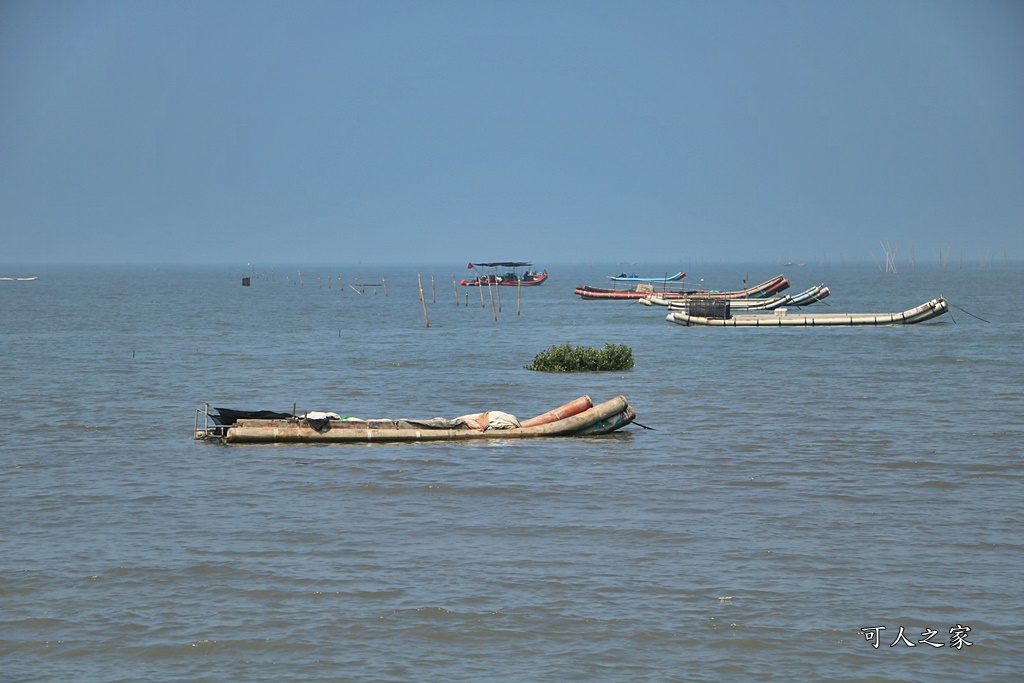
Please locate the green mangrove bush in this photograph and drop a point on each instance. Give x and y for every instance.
(566, 358)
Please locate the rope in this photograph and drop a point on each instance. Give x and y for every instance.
(967, 312)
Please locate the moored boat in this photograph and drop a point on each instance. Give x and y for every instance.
(765, 289)
(511, 277)
(805, 298)
(576, 418)
(635, 278)
(782, 318)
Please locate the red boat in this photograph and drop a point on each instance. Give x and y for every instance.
(510, 278)
(765, 289)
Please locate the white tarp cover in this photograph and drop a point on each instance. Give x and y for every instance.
(493, 419)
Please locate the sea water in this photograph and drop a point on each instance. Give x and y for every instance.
(798, 504)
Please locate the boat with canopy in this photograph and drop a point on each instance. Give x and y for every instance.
(505, 274)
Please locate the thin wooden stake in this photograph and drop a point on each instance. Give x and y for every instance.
(456, 288)
(385, 284)
(423, 300)
(490, 290)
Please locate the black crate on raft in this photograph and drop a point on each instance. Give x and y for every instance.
(708, 308)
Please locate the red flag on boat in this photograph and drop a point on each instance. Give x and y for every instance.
(470, 265)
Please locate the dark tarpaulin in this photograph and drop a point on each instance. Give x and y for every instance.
(228, 416)
(502, 264)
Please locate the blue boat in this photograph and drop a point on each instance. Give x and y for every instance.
(635, 278)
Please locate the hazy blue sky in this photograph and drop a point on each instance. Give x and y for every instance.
(430, 131)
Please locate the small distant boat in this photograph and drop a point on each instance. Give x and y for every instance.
(511, 277)
(781, 317)
(635, 278)
(19, 279)
(645, 289)
(579, 417)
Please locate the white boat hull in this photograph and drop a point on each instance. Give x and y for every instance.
(782, 318)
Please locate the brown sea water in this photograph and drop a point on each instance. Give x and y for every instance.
(796, 485)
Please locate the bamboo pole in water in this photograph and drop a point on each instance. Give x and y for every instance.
(480, 286)
(423, 300)
(433, 292)
(519, 298)
(490, 290)
(456, 288)
(385, 284)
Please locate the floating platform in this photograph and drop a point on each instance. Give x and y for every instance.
(576, 418)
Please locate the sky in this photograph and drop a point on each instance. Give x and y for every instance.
(416, 131)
